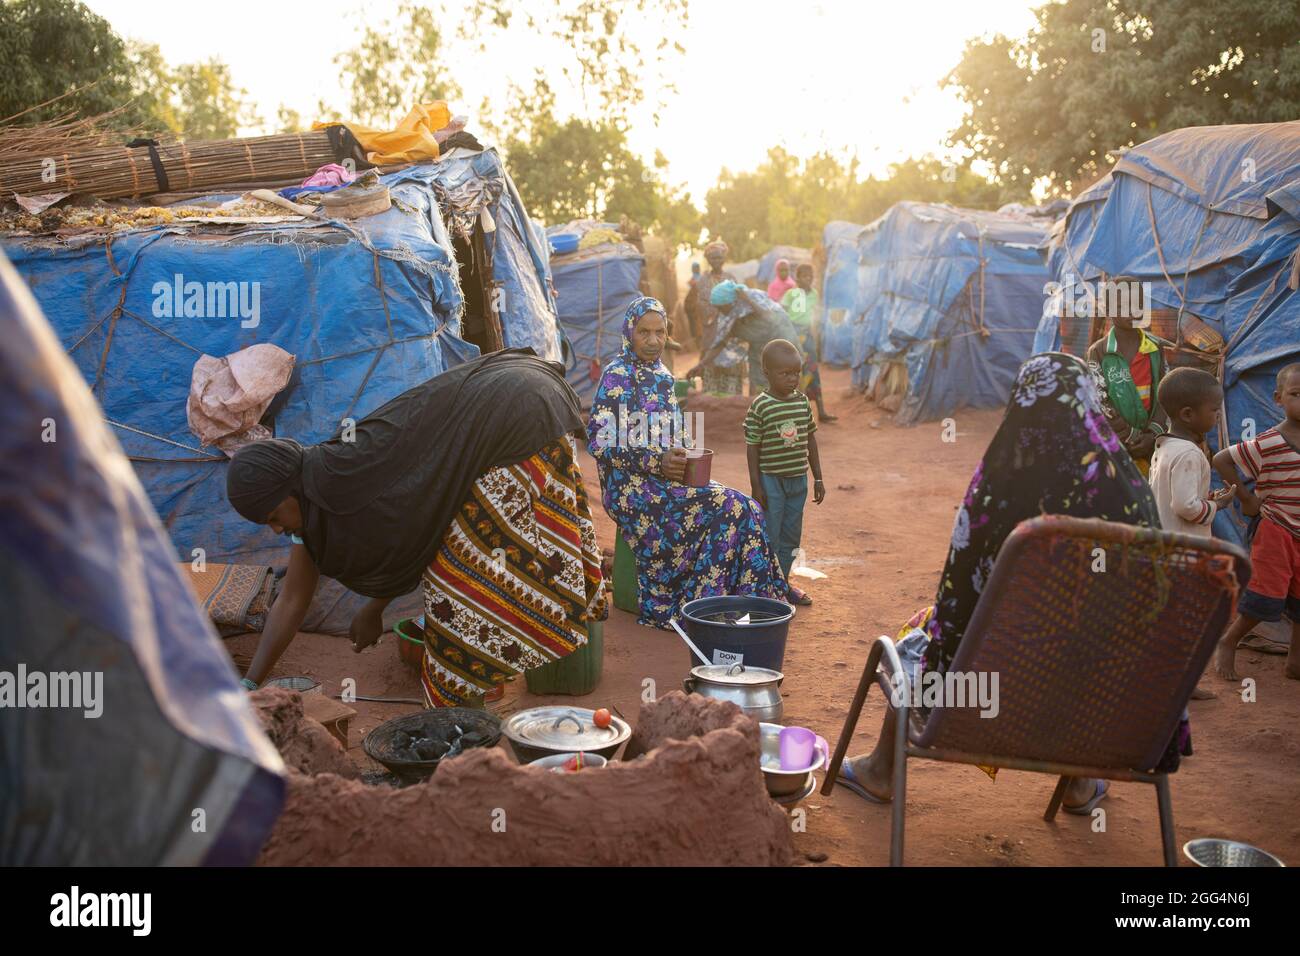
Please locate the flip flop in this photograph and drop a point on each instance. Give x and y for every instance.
(849, 782)
(1086, 809)
(795, 596)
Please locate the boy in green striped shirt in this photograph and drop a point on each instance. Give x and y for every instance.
(781, 445)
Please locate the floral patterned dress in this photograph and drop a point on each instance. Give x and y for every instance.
(690, 542)
(1054, 453)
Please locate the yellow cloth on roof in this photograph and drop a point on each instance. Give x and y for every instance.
(598, 237)
(411, 141)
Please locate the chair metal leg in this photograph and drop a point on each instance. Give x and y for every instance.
(1166, 820)
(899, 809)
(1057, 796)
(851, 720)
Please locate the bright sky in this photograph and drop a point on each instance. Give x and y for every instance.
(846, 75)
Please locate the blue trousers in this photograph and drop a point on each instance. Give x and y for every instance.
(785, 500)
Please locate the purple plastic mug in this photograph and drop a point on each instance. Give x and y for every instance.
(799, 747)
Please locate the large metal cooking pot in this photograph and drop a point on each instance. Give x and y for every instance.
(545, 731)
(755, 690)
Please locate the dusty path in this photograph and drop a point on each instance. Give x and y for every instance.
(881, 536)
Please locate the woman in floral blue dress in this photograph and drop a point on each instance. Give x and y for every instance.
(689, 542)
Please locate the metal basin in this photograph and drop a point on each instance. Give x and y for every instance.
(780, 783)
(1212, 852)
(545, 731)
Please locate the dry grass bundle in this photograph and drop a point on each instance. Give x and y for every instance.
(114, 171)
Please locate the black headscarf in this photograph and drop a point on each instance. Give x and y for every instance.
(375, 507)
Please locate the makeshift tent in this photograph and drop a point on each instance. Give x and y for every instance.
(1210, 218)
(839, 292)
(594, 287)
(367, 307)
(792, 254)
(746, 272)
(162, 738)
(503, 263)
(950, 299)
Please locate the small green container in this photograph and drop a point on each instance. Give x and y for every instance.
(577, 674)
(627, 596)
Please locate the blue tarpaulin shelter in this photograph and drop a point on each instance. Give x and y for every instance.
(1209, 217)
(148, 733)
(368, 308)
(594, 288)
(839, 293)
(951, 297)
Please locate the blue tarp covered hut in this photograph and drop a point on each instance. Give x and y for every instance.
(594, 287)
(1210, 217)
(158, 732)
(368, 307)
(839, 292)
(950, 300)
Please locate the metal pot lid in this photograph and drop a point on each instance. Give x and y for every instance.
(564, 729)
(736, 674)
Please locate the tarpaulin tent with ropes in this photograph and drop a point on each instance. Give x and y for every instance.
(144, 750)
(839, 292)
(1210, 218)
(594, 285)
(367, 307)
(949, 302)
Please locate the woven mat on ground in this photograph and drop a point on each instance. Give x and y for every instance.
(235, 596)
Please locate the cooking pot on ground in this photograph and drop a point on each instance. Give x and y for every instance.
(755, 690)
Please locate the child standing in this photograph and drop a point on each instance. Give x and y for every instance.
(781, 446)
(1272, 459)
(1180, 470)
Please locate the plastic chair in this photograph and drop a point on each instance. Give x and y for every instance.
(1098, 633)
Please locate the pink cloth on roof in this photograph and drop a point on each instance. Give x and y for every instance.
(331, 174)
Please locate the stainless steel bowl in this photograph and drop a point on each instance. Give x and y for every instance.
(780, 783)
(1213, 852)
(555, 763)
(545, 731)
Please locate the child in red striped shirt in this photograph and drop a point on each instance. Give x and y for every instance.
(1272, 459)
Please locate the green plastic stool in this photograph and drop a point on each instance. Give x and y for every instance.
(627, 596)
(577, 674)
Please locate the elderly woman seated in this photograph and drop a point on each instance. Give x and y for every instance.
(689, 542)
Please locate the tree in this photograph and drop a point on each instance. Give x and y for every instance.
(603, 58)
(396, 66)
(578, 169)
(210, 106)
(49, 48)
(1093, 76)
(788, 201)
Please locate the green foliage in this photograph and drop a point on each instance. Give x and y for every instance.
(396, 66)
(210, 105)
(1097, 75)
(579, 169)
(49, 48)
(787, 201)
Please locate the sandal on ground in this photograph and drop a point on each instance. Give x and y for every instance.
(1085, 809)
(850, 782)
(795, 596)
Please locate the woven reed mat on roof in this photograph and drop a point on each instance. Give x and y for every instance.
(114, 171)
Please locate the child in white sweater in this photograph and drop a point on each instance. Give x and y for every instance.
(1180, 470)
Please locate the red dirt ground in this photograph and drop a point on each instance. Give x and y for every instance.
(881, 536)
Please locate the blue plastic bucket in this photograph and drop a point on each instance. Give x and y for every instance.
(713, 624)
